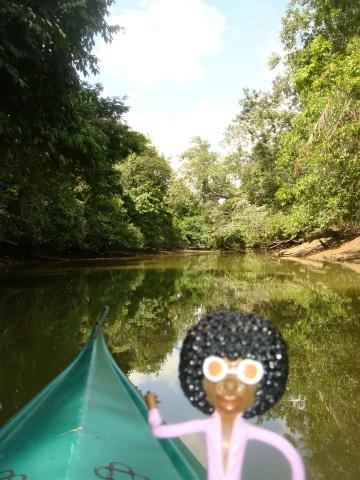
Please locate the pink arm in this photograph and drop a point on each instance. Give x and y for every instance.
(161, 430)
(271, 438)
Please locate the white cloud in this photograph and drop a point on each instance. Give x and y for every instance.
(171, 134)
(165, 40)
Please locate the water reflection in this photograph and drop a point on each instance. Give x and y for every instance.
(45, 316)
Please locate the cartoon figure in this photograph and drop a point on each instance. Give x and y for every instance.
(233, 366)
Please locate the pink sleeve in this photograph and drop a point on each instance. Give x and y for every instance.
(161, 430)
(275, 440)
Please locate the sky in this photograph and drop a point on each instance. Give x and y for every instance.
(183, 64)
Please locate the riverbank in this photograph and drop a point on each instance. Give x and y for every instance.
(315, 252)
(40, 259)
(326, 250)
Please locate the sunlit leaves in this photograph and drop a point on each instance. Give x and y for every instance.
(145, 179)
(60, 138)
(298, 145)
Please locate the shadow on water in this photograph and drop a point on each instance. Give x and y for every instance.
(45, 316)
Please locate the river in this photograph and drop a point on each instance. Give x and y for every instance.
(46, 313)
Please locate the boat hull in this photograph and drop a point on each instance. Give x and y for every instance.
(90, 423)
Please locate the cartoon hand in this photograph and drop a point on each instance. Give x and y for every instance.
(151, 400)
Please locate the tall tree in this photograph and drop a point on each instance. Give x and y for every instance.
(254, 137)
(205, 173)
(44, 45)
(59, 138)
(146, 180)
(337, 21)
(297, 145)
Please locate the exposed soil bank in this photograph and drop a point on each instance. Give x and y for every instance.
(324, 250)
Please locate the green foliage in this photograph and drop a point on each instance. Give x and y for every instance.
(43, 46)
(231, 236)
(180, 199)
(145, 179)
(320, 156)
(204, 172)
(254, 137)
(194, 232)
(195, 194)
(243, 224)
(60, 140)
(298, 145)
(294, 163)
(78, 205)
(273, 60)
(108, 226)
(191, 227)
(74, 177)
(336, 20)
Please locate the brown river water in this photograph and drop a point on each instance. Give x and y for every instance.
(46, 312)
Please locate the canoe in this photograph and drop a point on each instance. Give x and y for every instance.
(90, 423)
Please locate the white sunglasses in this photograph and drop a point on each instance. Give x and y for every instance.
(248, 371)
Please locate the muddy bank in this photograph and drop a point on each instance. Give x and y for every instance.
(326, 250)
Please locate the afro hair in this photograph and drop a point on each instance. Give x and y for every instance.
(234, 335)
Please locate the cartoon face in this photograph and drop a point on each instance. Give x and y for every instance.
(230, 386)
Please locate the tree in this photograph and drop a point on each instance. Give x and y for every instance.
(146, 180)
(60, 139)
(337, 21)
(43, 47)
(320, 155)
(79, 204)
(205, 173)
(204, 183)
(254, 137)
(297, 145)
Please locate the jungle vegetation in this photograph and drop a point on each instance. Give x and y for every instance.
(75, 178)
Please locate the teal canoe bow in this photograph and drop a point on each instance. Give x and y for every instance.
(90, 423)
